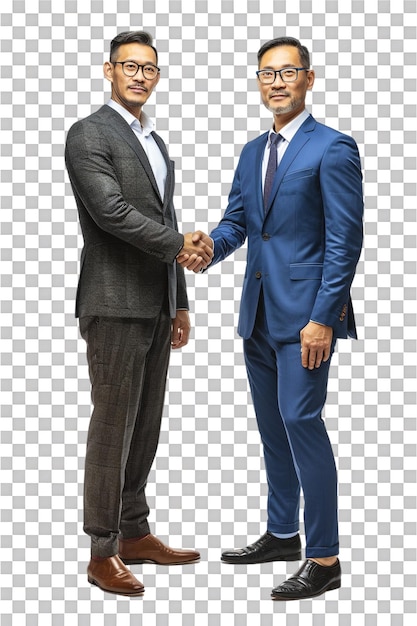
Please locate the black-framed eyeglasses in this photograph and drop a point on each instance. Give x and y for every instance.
(287, 75)
(130, 68)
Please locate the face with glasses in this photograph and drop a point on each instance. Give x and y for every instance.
(133, 75)
(283, 83)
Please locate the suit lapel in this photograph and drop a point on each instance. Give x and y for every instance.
(258, 171)
(127, 134)
(169, 184)
(300, 139)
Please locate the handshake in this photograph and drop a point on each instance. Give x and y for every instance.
(197, 251)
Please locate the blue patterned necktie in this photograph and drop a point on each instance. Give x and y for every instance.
(272, 167)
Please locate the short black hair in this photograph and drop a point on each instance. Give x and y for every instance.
(131, 36)
(286, 41)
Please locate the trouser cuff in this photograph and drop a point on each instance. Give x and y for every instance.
(105, 546)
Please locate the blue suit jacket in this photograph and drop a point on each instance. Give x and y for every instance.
(304, 248)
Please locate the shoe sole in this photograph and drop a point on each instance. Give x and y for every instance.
(141, 561)
(315, 595)
(134, 594)
(240, 561)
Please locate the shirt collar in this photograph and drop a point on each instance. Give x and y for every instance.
(288, 131)
(146, 124)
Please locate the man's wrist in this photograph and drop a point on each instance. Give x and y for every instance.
(319, 323)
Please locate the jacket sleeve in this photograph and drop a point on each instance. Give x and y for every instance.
(89, 161)
(182, 298)
(230, 234)
(341, 190)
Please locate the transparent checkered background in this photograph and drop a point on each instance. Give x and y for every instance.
(207, 487)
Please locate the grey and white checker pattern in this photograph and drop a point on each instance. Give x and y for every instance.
(207, 488)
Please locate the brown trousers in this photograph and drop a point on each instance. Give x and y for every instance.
(128, 363)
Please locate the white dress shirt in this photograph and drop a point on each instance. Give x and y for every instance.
(143, 130)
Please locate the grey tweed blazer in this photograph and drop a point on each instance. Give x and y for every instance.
(128, 266)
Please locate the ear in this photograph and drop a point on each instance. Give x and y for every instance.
(310, 79)
(108, 71)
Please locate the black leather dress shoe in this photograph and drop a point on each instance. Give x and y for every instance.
(267, 548)
(310, 581)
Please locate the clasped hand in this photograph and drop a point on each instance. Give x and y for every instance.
(197, 251)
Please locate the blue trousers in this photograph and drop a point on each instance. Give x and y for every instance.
(288, 401)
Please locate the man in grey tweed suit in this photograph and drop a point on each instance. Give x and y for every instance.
(132, 308)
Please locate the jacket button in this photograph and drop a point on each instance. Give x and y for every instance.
(266, 237)
(258, 274)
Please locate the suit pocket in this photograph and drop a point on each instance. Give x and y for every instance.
(306, 271)
(298, 174)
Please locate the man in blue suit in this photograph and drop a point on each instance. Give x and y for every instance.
(297, 198)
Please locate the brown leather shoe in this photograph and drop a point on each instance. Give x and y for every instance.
(150, 549)
(112, 575)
